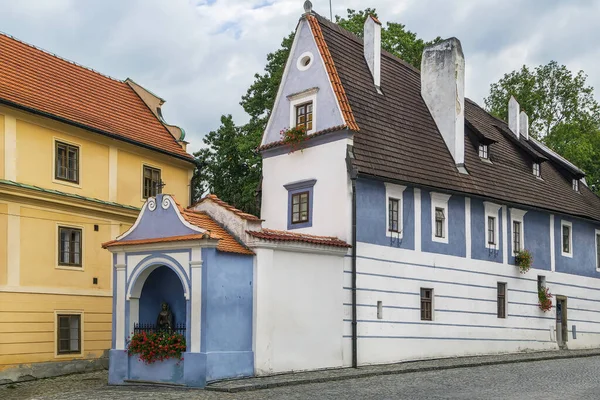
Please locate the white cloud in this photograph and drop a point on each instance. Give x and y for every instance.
(201, 56)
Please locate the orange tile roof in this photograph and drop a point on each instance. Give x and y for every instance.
(43, 83)
(229, 207)
(286, 236)
(182, 238)
(312, 135)
(338, 88)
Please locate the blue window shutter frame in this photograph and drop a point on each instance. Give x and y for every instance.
(298, 187)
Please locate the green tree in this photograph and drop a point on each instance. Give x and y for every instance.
(561, 108)
(395, 38)
(229, 166)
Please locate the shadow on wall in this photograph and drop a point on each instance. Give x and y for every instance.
(162, 285)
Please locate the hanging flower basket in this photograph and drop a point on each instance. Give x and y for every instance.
(294, 137)
(523, 260)
(157, 346)
(545, 298)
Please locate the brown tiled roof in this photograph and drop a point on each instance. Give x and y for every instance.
(43, 83)
(286, 236)
(308, 137)
(399, 141)
(182, 238)
(229, 207)
(338, 88)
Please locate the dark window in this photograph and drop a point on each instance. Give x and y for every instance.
(483, 151)
(501, 300)
(536, 169)
(566, 238)
(541, 282)
(304, 116)
(440, 219)
(69, 334)
(394, 215)
(69, 246)
(516, 236)
(426, 301)
(152, 182)
(598, 251)
(300, 207)
(67, 162)
(491, 230)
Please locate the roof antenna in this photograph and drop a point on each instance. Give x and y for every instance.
(307, 7)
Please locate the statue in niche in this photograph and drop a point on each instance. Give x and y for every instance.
(165, 318)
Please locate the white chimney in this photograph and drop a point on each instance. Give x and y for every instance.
(513, 115)
(524, 124)
(443, 90)
(372, 39)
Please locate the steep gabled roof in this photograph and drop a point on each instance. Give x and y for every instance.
(42, 83)
(399, 140)
(227, 206)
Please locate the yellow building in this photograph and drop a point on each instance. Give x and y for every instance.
(79, 153)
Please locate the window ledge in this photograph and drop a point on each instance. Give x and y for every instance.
(67, 183)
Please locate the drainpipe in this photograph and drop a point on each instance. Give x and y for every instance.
(353, 176)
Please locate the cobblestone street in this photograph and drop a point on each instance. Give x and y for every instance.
(549, 379)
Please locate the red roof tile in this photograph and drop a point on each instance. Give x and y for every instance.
(40, 82)
(286, 236)
(229, 207)
(183, 238)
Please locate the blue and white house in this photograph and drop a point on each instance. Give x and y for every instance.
(390, 236)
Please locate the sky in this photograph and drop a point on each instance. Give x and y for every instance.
(201, 56)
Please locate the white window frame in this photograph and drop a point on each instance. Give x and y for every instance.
(596, 249)
(393, 191)
(439, 200)
(518, 216)
(538, 173)
(570, 225)
(484, 151)
(575, 185)
(301, 98)
(491, 210)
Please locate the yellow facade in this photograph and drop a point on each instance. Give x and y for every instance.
(34, 287)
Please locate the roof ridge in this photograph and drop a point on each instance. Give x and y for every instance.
(58, 57)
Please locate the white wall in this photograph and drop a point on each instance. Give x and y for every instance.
(298, 311)
(401, 335)
(332, 192)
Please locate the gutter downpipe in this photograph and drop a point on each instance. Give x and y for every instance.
(353, 176)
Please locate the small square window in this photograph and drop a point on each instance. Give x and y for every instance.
(483, 151)
(536, 169)
(440, 219)
(69, 334)
(152, 182)
(66, 162)
(304, 116)
(300, 207)
(394, 215)
(426, 304)
(491, 230)
(501, 300)
(69, 246)
(516, 236)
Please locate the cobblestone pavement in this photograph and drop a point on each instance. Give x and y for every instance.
(574, 378)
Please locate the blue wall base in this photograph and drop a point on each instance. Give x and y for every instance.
(117, 367)
(229, 364)
(169, 371)
(194, 371)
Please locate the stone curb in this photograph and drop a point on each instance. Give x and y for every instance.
(294, 380)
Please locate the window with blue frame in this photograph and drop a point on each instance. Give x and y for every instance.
(300, 204)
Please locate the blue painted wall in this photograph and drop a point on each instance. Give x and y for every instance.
(456, 227)
(536, 227)
(226, 332)
(162, 285)
(583, 261)
(159, 223)
(479, 236)
(371, 215)
(327, 114)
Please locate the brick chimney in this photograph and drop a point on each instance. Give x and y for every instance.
(443, 90)
(372, 48)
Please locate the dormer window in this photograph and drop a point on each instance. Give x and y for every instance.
(304, 116)
(483, 151)
(576, 185)
(536, 170)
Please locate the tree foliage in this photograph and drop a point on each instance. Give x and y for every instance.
(395, 38)
(561, 108)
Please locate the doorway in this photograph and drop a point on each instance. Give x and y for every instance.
(562, 332)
